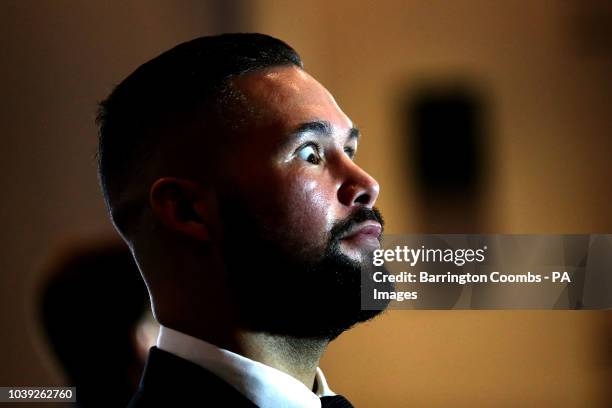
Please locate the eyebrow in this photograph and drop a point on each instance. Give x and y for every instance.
(323, 128)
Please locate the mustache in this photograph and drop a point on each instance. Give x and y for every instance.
(359, 216)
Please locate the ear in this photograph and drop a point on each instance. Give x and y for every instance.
(181, 206)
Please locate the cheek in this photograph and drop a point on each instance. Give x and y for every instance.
(310, 205)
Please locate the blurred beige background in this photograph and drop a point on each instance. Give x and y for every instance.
(544, 67)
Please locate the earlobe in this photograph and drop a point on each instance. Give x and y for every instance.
(180, 205)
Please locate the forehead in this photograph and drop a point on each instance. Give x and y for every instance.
(286, 97)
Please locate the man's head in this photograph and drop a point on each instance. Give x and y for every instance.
(230, 172)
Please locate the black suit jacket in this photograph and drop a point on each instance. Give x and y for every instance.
(170, 381)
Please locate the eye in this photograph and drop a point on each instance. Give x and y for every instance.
(350, 152)
(310, 153)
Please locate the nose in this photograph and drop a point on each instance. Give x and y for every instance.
(357, 187)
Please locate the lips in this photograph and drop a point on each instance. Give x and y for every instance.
(366, 234)
(371, 228)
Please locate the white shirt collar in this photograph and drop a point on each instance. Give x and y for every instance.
(263, 385)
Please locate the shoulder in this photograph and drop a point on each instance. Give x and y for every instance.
(171, 381)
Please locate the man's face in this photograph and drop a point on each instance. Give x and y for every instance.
(298, 211)
(294, 165)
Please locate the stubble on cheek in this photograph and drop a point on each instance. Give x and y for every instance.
(310, 217)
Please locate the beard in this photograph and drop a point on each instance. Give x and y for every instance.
(297, 293)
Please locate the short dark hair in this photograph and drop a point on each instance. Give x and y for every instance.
(166, 92)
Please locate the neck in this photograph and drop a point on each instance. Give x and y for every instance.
(298, 357)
